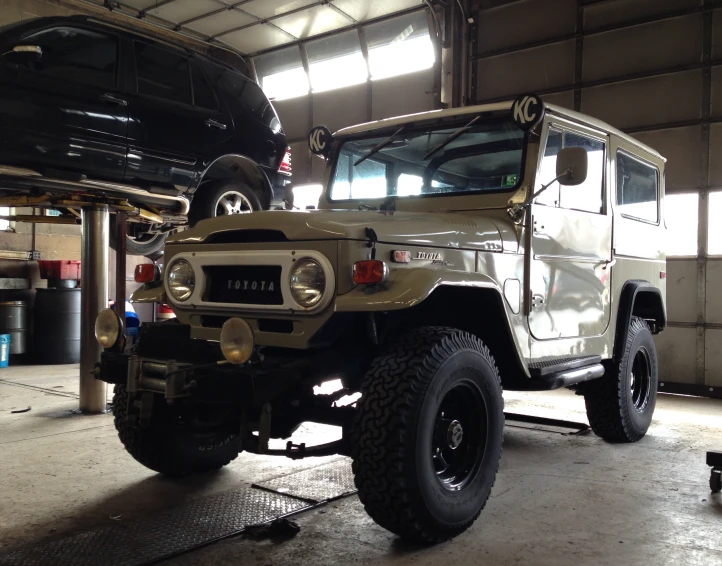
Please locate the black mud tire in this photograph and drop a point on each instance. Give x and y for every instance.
(145, 246)
(610, 400)
(206, 200)
(401, 401)
(165, 447)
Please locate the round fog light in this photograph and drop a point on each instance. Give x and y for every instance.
(236, 341)
(107, 328)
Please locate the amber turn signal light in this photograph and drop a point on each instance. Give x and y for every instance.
(370, 271)
(146, 272)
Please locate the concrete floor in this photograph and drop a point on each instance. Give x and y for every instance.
(558, 499)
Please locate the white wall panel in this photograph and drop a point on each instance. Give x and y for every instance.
(715, 148)
(495, 32)
(564, 99)
(293, 114)
(402, 95)
(615, 12)
(676, 349)
(650, 47)
(538, 69)
(714, 289)
(644, 102)
(342, 107)
(682, 290)
(713, 358)
(301, 162)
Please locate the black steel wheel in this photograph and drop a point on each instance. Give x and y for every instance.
(620, 404)
(428, 434)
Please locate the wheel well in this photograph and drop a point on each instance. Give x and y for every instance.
(479, 311)
(644, 300)
(648, 305)
(243, 169)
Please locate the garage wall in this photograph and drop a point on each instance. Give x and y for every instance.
(654, 69)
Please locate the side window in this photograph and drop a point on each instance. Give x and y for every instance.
(162, 73)
(589, 195)
(77, 54)
(637, 188)
(203, 95)
(548, 169)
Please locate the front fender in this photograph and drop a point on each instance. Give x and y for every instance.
(406, 288)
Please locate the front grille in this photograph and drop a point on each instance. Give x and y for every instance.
(243, 284)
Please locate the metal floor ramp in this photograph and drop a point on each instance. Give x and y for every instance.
(191, 525)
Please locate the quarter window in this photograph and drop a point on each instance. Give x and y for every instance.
(162, 73)
(203, 95)
(637, 188)
(77, 54)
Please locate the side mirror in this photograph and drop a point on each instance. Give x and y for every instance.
(24, 53)
(572, 166)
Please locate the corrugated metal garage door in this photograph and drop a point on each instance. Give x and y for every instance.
(652, 68)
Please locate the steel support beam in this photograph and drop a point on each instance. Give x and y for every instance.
(93, 298)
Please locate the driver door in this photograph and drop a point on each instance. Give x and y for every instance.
(571, 243)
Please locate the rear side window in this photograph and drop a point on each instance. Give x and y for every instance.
(162, 73)
(203, 95)
(76, 54)
(251, 98)
(637, 188)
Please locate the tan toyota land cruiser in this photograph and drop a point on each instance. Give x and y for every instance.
(453, 252)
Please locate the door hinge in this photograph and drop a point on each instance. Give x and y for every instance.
(537, 301)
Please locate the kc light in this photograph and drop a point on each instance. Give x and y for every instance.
(181, 280)
(236, 340)
(308, 282)
(370, 271)
(108, 328)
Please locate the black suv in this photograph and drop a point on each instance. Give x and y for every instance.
(89, 106)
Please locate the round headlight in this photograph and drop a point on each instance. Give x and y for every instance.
(181, 280)
(107, 328)
(236, 340)
(308, 282)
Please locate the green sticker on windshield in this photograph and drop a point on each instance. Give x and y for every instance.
(509, 180)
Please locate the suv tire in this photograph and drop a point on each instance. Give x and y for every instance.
(621, 403)
(168, 446)
(435, 386)
(136, 246)
(226, 196)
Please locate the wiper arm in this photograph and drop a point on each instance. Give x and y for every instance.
(450, 138)
(379, 147)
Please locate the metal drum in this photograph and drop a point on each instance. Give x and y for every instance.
(14, 321)
(56, 335)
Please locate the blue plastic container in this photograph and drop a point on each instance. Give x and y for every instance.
(4, 350)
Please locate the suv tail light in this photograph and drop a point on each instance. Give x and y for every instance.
(285, 167)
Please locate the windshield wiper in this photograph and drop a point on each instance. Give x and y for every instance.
(379, 147)
(450, 138)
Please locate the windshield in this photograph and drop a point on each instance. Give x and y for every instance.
(485, 157)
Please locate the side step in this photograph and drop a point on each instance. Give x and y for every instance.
(554, 373)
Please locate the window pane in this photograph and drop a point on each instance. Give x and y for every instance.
(305, 196)
(367, 180)
(714, 233)
(636, 188)
(681, 216)
(281, 74)
(76, 54)
(203, 95)
(548, 170)
(4, 211)
(399, 46)
(162, 73)
(336, 62)
(588, 195)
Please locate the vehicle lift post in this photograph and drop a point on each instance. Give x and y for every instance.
(93, 299)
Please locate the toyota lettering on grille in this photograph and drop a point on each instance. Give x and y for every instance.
(246, 285)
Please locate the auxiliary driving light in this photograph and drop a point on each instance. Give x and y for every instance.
(108, 328)
(236, 340)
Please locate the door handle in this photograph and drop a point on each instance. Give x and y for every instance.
(213, 124)
(114, 99)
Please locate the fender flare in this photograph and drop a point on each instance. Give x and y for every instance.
(627, 299)
(248, 164)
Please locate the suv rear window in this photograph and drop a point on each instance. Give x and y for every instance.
(637, 188)
(162, 73)
(76, 54)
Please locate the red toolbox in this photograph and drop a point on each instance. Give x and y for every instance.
(63, 269)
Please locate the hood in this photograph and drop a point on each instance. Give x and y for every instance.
(437, 230)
